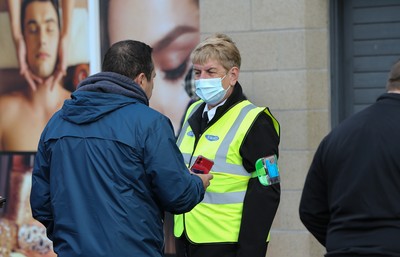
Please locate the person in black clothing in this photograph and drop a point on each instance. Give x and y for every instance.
(236, 215)
(350, 200)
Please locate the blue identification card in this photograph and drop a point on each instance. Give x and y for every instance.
(267, 170)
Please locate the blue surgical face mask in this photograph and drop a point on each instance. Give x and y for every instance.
(210, 90)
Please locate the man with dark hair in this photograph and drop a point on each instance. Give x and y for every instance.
(350, 200)
(108, 167)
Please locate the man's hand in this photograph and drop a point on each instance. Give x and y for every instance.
(205, 178)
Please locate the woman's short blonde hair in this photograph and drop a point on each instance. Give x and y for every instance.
(218, 47)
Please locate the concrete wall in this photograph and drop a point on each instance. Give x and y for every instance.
(285, 65)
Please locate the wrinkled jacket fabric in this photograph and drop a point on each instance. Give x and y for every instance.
(106, 169)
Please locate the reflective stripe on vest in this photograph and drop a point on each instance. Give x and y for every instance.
(224, 197)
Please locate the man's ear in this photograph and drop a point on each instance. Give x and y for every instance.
(141, 80)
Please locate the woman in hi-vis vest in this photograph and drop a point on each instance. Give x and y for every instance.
(236, 214)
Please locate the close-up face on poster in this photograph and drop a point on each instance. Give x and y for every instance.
(171, 28)
(46, 49)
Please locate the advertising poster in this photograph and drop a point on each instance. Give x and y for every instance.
(27, 100)
(33, 30)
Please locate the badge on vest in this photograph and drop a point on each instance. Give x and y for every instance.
(212, 138)
(267, 170)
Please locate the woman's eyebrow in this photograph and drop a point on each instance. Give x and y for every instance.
(171, 36)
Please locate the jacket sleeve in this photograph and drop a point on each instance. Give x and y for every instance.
(260, 202)
(40, 192)
(178, 191)
(314, 208)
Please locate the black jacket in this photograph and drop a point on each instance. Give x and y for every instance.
(260, 203)
(350, 200)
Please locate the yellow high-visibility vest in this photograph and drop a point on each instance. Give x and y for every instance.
(217, 218)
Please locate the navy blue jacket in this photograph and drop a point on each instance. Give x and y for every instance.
(351, 197)
(106, 169)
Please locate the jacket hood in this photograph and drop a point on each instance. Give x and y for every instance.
(99, 95)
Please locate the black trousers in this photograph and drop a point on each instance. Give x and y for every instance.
(186, 249)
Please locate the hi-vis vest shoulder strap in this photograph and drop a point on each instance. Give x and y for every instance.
(217, 218)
